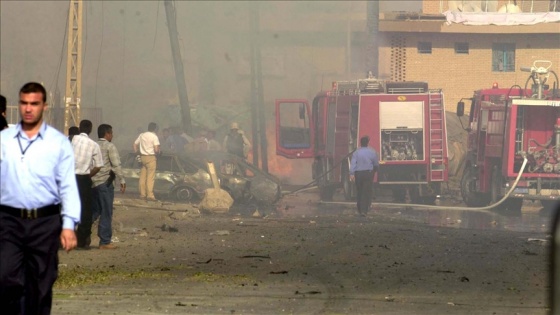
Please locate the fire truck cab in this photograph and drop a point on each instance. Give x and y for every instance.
(405, 122)
(507, 125)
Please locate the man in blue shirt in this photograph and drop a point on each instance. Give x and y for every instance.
(39, 206)
(363, 166)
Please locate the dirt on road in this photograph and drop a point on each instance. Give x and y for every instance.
(303, 259)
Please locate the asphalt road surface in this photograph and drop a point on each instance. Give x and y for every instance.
(301, 258)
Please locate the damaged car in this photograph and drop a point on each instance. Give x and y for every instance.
(242, 180)
(185, 177)
(176, 179)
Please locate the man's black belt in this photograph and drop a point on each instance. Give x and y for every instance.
(31, 213)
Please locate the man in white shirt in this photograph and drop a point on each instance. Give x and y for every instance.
(147, 144)
(88, 161)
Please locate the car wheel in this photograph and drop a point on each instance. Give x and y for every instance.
(184, 194)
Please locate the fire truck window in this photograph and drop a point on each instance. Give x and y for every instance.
(294, 126)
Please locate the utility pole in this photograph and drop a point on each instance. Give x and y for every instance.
(257, 96)
(73, 66)
(254, 96)
(178, 65)
(260, 92)
(372, 51)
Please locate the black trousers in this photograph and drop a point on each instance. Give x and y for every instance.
(86, 198)
(364, 186)
(28, 263)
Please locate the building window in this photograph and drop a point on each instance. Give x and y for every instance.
(503, 57)
(424, 47)
(462, 48)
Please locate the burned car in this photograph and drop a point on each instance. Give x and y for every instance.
(243, 181)
(186, 178)
(180, 180)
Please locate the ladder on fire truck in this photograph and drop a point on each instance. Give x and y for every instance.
(437, 135)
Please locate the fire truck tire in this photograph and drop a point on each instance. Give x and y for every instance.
(326, 193)
(399, 194)
(513, 205)
(550, 205)
(414, 194)
(496, 184)
(471, 197)
(348, 187)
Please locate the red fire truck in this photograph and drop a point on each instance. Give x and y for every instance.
(508, 125)
(405, 122)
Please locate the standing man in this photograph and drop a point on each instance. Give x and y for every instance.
(236, 143)
(363, 166)
(103, 189)
(147, 144)
(37, 167)
(88, 162)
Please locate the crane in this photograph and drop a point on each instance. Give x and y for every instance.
(73, 66)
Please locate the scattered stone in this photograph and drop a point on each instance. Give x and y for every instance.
(220, 232)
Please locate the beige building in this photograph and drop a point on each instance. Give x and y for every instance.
(448, 52)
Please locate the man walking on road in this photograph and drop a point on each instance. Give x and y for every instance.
(147, 144)
(37, 167)
(88, 161)
(103, 189)
(363, 165)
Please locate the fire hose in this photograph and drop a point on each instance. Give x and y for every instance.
(479, 209)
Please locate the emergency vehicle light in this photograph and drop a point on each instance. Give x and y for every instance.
(495, 85)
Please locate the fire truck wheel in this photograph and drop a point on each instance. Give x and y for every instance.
(513, 205)
(349, 190)
(468, 190)
(414, 194)
(326, 193)
(496, 185)
(348, 187)
(399, 194)
(550, 205)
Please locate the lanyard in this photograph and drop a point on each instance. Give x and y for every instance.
(27, 147)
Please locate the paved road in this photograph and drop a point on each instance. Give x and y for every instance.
(297, 261)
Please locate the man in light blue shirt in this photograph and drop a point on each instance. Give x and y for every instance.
(363, 166)
(37, 187)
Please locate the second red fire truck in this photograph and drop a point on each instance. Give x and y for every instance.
(507, 125)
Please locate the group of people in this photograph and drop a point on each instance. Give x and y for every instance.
(175, 141)
(97, 165)
(148, 146)
(51, 190)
